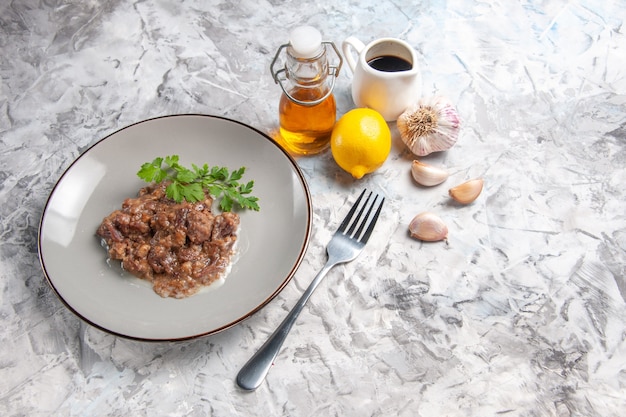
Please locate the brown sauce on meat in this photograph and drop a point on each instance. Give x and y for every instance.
(178, 247)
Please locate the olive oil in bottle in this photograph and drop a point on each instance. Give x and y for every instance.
(306, 129)
(307, 109)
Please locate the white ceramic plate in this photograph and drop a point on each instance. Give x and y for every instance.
(271, 243)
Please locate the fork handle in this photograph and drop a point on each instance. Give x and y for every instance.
(254, 371)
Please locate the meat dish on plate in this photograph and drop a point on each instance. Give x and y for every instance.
(179, 247)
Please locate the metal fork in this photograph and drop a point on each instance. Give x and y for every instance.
(346, 244)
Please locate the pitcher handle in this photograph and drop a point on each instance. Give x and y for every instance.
(357, 45)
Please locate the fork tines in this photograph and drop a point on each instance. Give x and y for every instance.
(373, 210)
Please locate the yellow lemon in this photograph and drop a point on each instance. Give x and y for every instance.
(360, 141)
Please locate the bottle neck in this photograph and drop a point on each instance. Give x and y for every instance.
(307, 72)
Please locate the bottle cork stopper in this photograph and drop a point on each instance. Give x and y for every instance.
(305, 41)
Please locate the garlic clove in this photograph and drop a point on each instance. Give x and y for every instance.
(427, 175)
(429, 126)
(467, 192)
(428, 227)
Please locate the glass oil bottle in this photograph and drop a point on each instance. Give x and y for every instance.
(307, 109)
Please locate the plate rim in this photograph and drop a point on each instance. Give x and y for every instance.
(307, 235)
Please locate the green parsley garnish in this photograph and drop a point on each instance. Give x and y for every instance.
(189, 184)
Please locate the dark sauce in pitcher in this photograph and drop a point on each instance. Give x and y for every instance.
(389, 63)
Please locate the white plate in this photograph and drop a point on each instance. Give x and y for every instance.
(272, 241)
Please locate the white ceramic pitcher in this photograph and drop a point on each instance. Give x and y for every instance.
(389, 89)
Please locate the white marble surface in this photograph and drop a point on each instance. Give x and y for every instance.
(522, 313)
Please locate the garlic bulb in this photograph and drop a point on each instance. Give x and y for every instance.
(468, 191)
(428, 227)
(429, 126)
(427, 175)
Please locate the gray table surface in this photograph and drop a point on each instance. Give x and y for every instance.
(522, 313)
